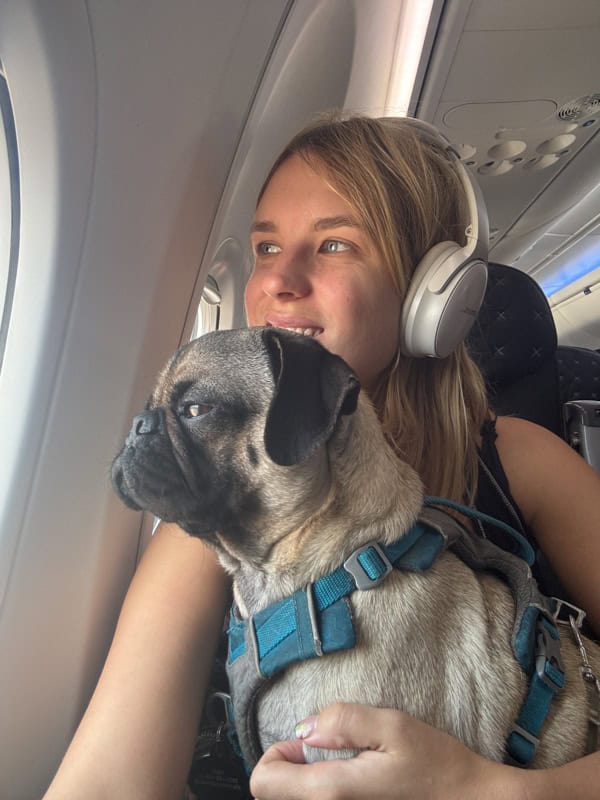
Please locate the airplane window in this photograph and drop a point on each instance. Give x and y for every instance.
(209, 309)
(9, 209)
(584, 262)
(207, 319)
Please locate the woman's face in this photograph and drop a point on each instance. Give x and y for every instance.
(317, 271)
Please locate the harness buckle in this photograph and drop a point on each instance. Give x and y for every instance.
(571, 612)
(548, 662)
(520, 752)
(368, 565)
(314, 625)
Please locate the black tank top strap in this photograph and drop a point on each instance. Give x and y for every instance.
(493, 490)
(494, 498)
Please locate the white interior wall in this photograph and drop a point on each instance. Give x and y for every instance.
(144, 131)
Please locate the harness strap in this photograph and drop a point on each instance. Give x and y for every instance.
(546, 681)
(535, 638)
(317, 620)
(524, 549)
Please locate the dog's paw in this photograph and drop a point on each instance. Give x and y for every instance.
(312, 754)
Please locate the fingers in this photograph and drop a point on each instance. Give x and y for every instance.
(346, 726)
(282, 775)
(277, 778)
(275, 772)
(401, 758)
(285, 751)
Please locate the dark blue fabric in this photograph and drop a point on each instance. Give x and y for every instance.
(283, 630)
(525, 640)
(304, 632)
(542, 688)
(513, 341)
(236, 638)
(337, 633)
(533, 715)
(519, 544)
(372, 563)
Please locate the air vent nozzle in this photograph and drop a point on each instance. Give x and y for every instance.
(579, 108)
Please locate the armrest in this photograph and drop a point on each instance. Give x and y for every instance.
(582, 429)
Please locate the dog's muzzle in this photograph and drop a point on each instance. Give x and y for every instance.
(145, 440)
(149, 423)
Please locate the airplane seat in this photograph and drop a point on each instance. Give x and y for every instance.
(579, 373)
(514, 343)
(528, 375)
(579, 382)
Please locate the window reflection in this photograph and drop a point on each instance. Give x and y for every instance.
(9, 209)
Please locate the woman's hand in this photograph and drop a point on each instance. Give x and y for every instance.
(403, 758)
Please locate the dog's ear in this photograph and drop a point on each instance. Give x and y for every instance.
(313, 388)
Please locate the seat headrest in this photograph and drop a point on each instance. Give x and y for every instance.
(514, 334)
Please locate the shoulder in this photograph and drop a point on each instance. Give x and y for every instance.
(559, 496)
(542, 470)
(531, 454)
(514, 432)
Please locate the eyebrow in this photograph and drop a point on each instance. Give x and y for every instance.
(343, 221)
(323, 223)
(179, 390)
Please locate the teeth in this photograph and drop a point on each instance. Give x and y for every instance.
(303, 331)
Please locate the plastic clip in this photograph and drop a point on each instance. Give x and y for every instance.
(548, 662)
(368, 565)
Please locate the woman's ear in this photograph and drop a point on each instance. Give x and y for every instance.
(313, 388)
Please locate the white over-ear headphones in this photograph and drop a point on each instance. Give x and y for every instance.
(448, 284)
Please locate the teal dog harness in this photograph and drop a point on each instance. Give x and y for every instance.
(317, 620)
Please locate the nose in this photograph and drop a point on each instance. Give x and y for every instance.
(287, 278)
(147, 423)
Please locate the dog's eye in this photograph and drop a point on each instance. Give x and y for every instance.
(196, 410)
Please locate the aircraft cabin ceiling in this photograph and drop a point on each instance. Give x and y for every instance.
(516, 86)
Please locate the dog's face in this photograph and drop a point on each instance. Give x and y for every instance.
(234, 435)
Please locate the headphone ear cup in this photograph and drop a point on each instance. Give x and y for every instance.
(442, 302)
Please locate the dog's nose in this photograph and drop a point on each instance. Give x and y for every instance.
(150, 422)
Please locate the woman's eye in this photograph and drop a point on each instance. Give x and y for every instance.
(196, 410)
(267, 249)
(334, 246)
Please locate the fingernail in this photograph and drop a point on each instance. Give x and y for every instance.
(305, 728)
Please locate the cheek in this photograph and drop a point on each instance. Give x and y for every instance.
(250, 297)
(377, 335)
(388, 325)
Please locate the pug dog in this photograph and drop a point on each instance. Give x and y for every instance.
(260, 442)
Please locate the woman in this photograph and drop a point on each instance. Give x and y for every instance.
(346, 213)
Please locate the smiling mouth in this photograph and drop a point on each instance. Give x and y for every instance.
(312, 332)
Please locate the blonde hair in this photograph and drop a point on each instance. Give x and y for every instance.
(401, 183)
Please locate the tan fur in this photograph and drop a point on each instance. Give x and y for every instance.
(436, 645)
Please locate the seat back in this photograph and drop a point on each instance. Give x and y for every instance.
(579, 373)
(527, 374)
(579, 385)
(514, 343)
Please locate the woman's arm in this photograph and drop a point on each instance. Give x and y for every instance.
(405, 759)
(559, 495)
(136, 737)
